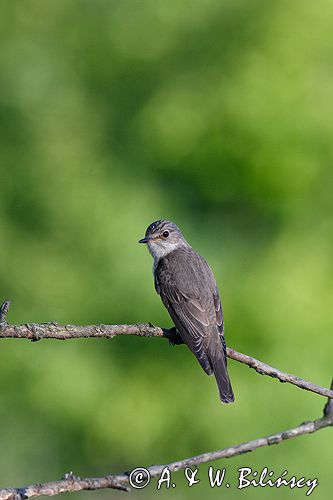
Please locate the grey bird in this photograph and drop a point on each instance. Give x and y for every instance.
(189, 292)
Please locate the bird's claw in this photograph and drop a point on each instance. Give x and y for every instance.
(173, 336)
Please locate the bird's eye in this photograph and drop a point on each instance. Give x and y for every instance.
(165, 234)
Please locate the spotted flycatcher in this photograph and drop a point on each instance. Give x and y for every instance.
(188, 290)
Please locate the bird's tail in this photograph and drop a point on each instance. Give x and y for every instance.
(218, 361)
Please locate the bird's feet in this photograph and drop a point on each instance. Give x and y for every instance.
(173, 336)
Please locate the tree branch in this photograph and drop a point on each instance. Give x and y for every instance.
(71, 483)
(34, 332)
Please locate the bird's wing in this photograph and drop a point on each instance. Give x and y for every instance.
(190, 318)
(188, 290)
(219, 320)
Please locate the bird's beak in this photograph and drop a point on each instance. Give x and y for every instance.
(143, 240)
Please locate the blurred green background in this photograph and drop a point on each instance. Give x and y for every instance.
(218, 115)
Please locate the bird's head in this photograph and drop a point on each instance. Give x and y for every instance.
(162, 237)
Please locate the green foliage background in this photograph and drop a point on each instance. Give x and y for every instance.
(219, 115)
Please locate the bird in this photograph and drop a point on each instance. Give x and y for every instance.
(187, 287)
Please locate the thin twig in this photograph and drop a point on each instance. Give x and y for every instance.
(4, 310)
(328, 408)
(72, 483)
(34, 332)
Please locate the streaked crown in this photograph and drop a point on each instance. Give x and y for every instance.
(163, 236)
(163, 226)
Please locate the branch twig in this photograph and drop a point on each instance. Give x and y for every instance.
(3, 311)
(71, 483)
(53, 330)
